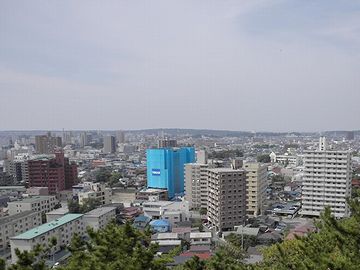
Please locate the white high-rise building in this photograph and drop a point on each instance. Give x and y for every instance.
(327, 181)
(196, 185)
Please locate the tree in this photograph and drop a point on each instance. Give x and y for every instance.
(203, 211)
(264, 158)
(115, 247)
(103, 175)
(87, 205)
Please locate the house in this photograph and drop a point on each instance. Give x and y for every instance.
(160, 225)
(141, 222)
(200, 238)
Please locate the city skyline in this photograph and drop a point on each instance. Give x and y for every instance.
(234, 65)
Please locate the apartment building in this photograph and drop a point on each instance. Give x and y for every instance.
(16, 224)
(99, 217)
(90, 190)
(226, 198)
(41, 204)
(196, 178)
(326, 181)
(63, 229)
(256, 182)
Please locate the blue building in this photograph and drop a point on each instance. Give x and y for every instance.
(165, 168)
(160, 225)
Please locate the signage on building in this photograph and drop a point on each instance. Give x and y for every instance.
(156, 172)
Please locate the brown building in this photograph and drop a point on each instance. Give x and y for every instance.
(167, 143)
(226, 198)
(52, 171)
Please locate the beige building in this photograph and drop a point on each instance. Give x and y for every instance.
(256, 182)
(99, 217)
(16, 224)
(326, 181)
(42, 204)
(63, 229)
(196, 178)
(226, 206)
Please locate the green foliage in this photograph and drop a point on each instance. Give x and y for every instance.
(264, 158)
(114, 248)
(236, 240)
(203, 211)
(103, 175)
(226, 154)
(87, 205)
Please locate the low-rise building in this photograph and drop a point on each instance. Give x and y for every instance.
(152, 194)
(41, 204)
(57, 213)
(16, 224)
(90, 190)
(62, 229)
(174, 212)
(99, 217)
(200, 238)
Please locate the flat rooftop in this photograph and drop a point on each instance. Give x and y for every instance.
(60, 211)
(98, 212)
(30, 234)
(33, 199)
(10, 218)
(227, 170)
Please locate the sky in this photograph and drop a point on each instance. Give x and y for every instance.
(256, 65)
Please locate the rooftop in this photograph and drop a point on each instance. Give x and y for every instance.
(60, 211)
(8, 219)
(98, 212)
(34, 199)
(226, 170)
(30, 234)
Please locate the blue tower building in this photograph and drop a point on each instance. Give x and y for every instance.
(165, 168)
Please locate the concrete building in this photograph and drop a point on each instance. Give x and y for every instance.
(37, 191)
(84, 139)
(99, 217)
(200, 238)
(57, 213)
(326, 181)
(201, 157)
(226, 198)
(151, 194)
(16, 224)
(167, 143)
(46, 144)
(196, 185)
(63, 229)
(52, 171)
(92, 190)
(41, 204)
(172, 211)
(165, 168)
(109, 144)
(256, 183)
(120, 136)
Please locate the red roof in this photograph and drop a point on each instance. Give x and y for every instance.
(202, 256)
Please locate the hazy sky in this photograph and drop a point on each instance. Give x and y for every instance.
(239, 65)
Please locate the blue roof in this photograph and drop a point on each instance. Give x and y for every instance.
(142, 219)
(160, 222)
(47, 227)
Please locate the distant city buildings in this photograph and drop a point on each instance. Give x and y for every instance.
(90, 190)
(327, 181)
(47, 144)
(167, 143)
(120, 136)
(109, 145)
(165, 168)
(226, 198)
